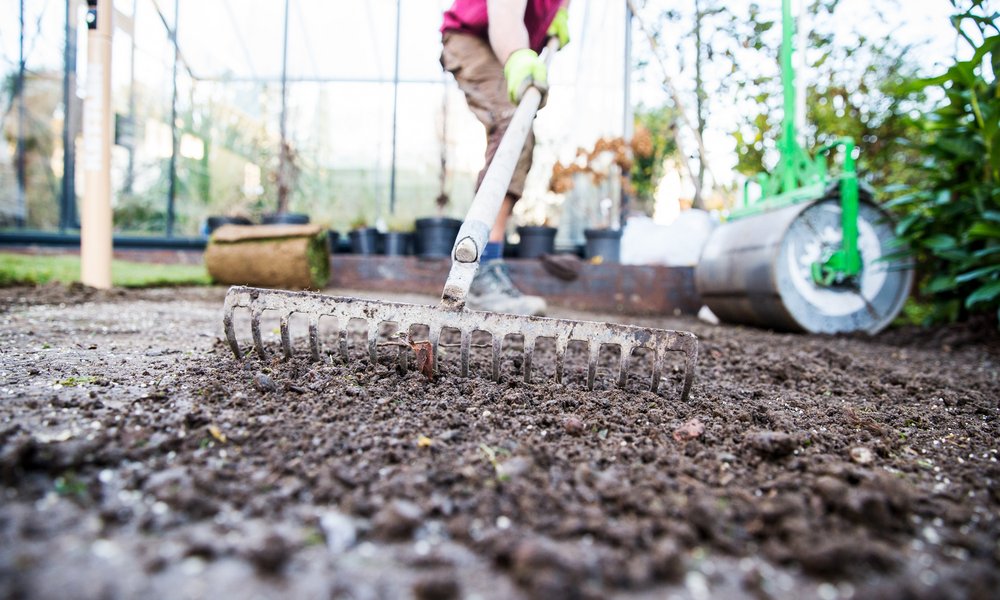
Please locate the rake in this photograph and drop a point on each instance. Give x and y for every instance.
(451, 313)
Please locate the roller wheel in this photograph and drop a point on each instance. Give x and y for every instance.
(758, 271)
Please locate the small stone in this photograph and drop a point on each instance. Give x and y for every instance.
(862, 455)
(772, 444)
(573, 425)
(264, 383)
(397, 520)
(667, 560)
(514, 467)
(339, 531)
(270, 554)
(437, 586)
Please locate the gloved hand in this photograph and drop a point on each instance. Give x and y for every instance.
(560, 27)
(523, 70)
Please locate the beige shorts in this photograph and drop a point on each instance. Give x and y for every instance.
(480, 76)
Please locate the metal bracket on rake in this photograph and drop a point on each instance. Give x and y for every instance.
(499, 326)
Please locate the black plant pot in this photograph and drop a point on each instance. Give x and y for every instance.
(397, 243)
(536, 240)
(436, 236)
(214, 222)
(364, 241)
(285, 219)
(333, 239)
(605, 243)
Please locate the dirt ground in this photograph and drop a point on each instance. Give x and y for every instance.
(138, 458)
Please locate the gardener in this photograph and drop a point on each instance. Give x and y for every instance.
(491, 47)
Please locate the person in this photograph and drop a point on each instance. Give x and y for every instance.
(491, 47)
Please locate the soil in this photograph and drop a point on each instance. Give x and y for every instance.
(139, 458)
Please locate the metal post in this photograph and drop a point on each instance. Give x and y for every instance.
(395, 103)
(627, 118)
(22, 209)
(174, 138)
(283, 151)
(130, 170)
(788, 144)
(95, 218)
(67, 206)
(627, 123)
(699, 103)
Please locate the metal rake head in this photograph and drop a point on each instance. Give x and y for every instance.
(343, 309)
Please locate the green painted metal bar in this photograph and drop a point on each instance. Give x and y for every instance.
(845, 262)
(789, 144)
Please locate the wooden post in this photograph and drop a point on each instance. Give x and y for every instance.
(95, 218)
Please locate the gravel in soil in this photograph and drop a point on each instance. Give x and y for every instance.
(139, 458)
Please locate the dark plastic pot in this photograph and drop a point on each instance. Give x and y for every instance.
(285, 219)
(333, 238)
(214, 222)
(436, 236)
(536, 240)
(605, 243)
(397, 243)
(364, 241)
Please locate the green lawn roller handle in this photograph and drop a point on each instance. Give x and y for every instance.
(846, 261)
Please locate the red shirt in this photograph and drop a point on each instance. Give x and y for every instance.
(469, 16)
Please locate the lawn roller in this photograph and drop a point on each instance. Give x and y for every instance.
(813, 253)
(451, 312)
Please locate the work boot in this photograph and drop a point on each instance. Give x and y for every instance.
(492, 290)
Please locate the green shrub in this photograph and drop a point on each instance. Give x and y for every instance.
(951, 219)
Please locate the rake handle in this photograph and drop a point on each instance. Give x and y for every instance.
(474, 233)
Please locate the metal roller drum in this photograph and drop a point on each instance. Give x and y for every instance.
(757, 271)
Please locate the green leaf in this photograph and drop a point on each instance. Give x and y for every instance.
(986, 252)
(940, 241)
(986, 293)
(982, 229)
(902, 200)
(977, 273)
(906, 222)
(941, 283)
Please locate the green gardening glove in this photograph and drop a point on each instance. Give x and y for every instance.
(523, 70)
(560, 27)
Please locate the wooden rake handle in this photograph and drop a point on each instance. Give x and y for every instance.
(475, 231)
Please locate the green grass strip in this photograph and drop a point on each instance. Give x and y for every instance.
(22, 269)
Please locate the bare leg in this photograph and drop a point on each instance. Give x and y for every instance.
(500, 226)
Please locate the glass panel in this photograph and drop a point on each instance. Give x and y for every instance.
(31, 155)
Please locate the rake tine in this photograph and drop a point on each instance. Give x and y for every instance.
(314, 338)
(529, 351)
(230, 329)
(689, 346)
(373, 342)
(595, 349)
(286, 342)
(342, 333)
(497, 342)
(466, 343)
(657, 369)
(560, 358)
(623, 365)
(402, 351)
(433, 335)
(255, 330)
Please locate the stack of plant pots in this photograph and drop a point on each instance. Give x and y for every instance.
(536, 240)
(397, 243)
(364, 240)
(603, 245)
(435, 236)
